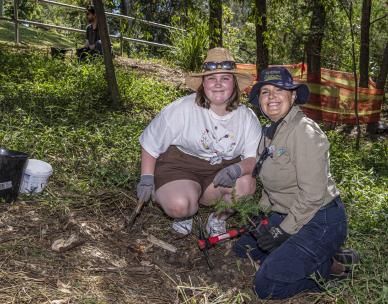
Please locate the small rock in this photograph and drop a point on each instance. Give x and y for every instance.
(61, 245)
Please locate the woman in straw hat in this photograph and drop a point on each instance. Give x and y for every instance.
(201, 145)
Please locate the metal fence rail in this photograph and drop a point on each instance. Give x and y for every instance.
(122, 38)
(113, 15)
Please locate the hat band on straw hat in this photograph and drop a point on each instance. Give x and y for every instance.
(219, 60)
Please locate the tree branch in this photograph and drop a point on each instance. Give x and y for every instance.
(378, 19)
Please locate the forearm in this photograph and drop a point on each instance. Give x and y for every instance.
(147, 163)
(302, 211)
(247, 165)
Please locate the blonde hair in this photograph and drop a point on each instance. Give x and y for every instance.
(232, 103)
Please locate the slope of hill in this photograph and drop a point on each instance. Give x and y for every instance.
(58, 111)
(34, 36)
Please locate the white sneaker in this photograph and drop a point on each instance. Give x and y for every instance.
(183, 226)
(215, 226)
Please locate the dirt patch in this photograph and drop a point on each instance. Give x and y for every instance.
(111, 265)
(167, 74)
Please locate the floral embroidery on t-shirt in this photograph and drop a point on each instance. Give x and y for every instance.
(220, 142)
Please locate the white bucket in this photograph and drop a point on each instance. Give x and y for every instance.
(35, 176)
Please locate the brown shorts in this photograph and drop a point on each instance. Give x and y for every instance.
(174, 165)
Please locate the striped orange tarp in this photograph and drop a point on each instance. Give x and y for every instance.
(333, 100)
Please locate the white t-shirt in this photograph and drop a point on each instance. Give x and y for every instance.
(202, 133)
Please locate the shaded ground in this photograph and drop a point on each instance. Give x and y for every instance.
(112, 265)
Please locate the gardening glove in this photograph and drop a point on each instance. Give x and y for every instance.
(269, 237)
(227, 177)
(146, 188)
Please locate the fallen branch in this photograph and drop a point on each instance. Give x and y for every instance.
(129, 223)
(135, 269)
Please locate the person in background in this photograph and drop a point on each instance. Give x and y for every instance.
(300, 244)
(93, 45)
(202, 145)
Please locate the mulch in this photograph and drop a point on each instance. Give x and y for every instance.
(112, 265)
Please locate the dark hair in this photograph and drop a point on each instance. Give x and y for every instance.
(90, 9)
(232, 104)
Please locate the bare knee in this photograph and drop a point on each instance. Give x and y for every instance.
(179, 198)
(179, 207)
(246, 185)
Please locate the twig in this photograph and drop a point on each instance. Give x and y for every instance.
(254, 264)
(378, 19)
(129, 223)
(136, 269)
(161, 244)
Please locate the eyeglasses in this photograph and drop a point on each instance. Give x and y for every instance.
(222, 65)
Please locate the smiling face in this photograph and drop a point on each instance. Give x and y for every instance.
(218, 87)
(275, 102)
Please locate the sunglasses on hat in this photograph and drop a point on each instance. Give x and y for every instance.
(222, 65)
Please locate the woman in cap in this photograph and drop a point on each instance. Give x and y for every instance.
(307, 221)
(201, 145)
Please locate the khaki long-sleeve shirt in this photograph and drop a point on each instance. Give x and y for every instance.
(296, 176)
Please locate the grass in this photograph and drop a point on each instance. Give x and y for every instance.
(58, 111)
(34, 36)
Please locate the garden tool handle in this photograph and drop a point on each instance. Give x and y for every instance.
(206, 243)
(213, 240)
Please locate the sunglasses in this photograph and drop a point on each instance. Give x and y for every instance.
(222, 65)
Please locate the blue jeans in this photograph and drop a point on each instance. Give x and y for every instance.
(288, 270)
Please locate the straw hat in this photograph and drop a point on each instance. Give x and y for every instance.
(194, 80)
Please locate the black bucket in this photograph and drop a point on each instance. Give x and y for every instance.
(11, 170)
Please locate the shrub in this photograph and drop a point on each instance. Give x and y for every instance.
(191, 45)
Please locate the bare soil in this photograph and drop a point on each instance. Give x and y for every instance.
(167, 74)
(112, 265)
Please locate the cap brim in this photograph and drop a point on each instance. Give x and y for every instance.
(194, 80)
(302, 91)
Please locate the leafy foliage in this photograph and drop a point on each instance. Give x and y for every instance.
(191, 45)
(57, 111)
(362, 177)
(288, 23)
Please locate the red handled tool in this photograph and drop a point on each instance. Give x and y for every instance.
(214, 240)
(206, 243)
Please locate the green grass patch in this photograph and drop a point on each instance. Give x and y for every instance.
(58, 111)
(34, 36)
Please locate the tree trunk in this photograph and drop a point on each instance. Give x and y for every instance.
(124, 8)
(106, 48)
(215, 23)
(314, 42)
(1, 8)
(261, 28)
(349, 13)
(364, 45)
(382, 78)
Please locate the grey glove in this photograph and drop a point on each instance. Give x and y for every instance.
(146, 188)
(227, 177)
